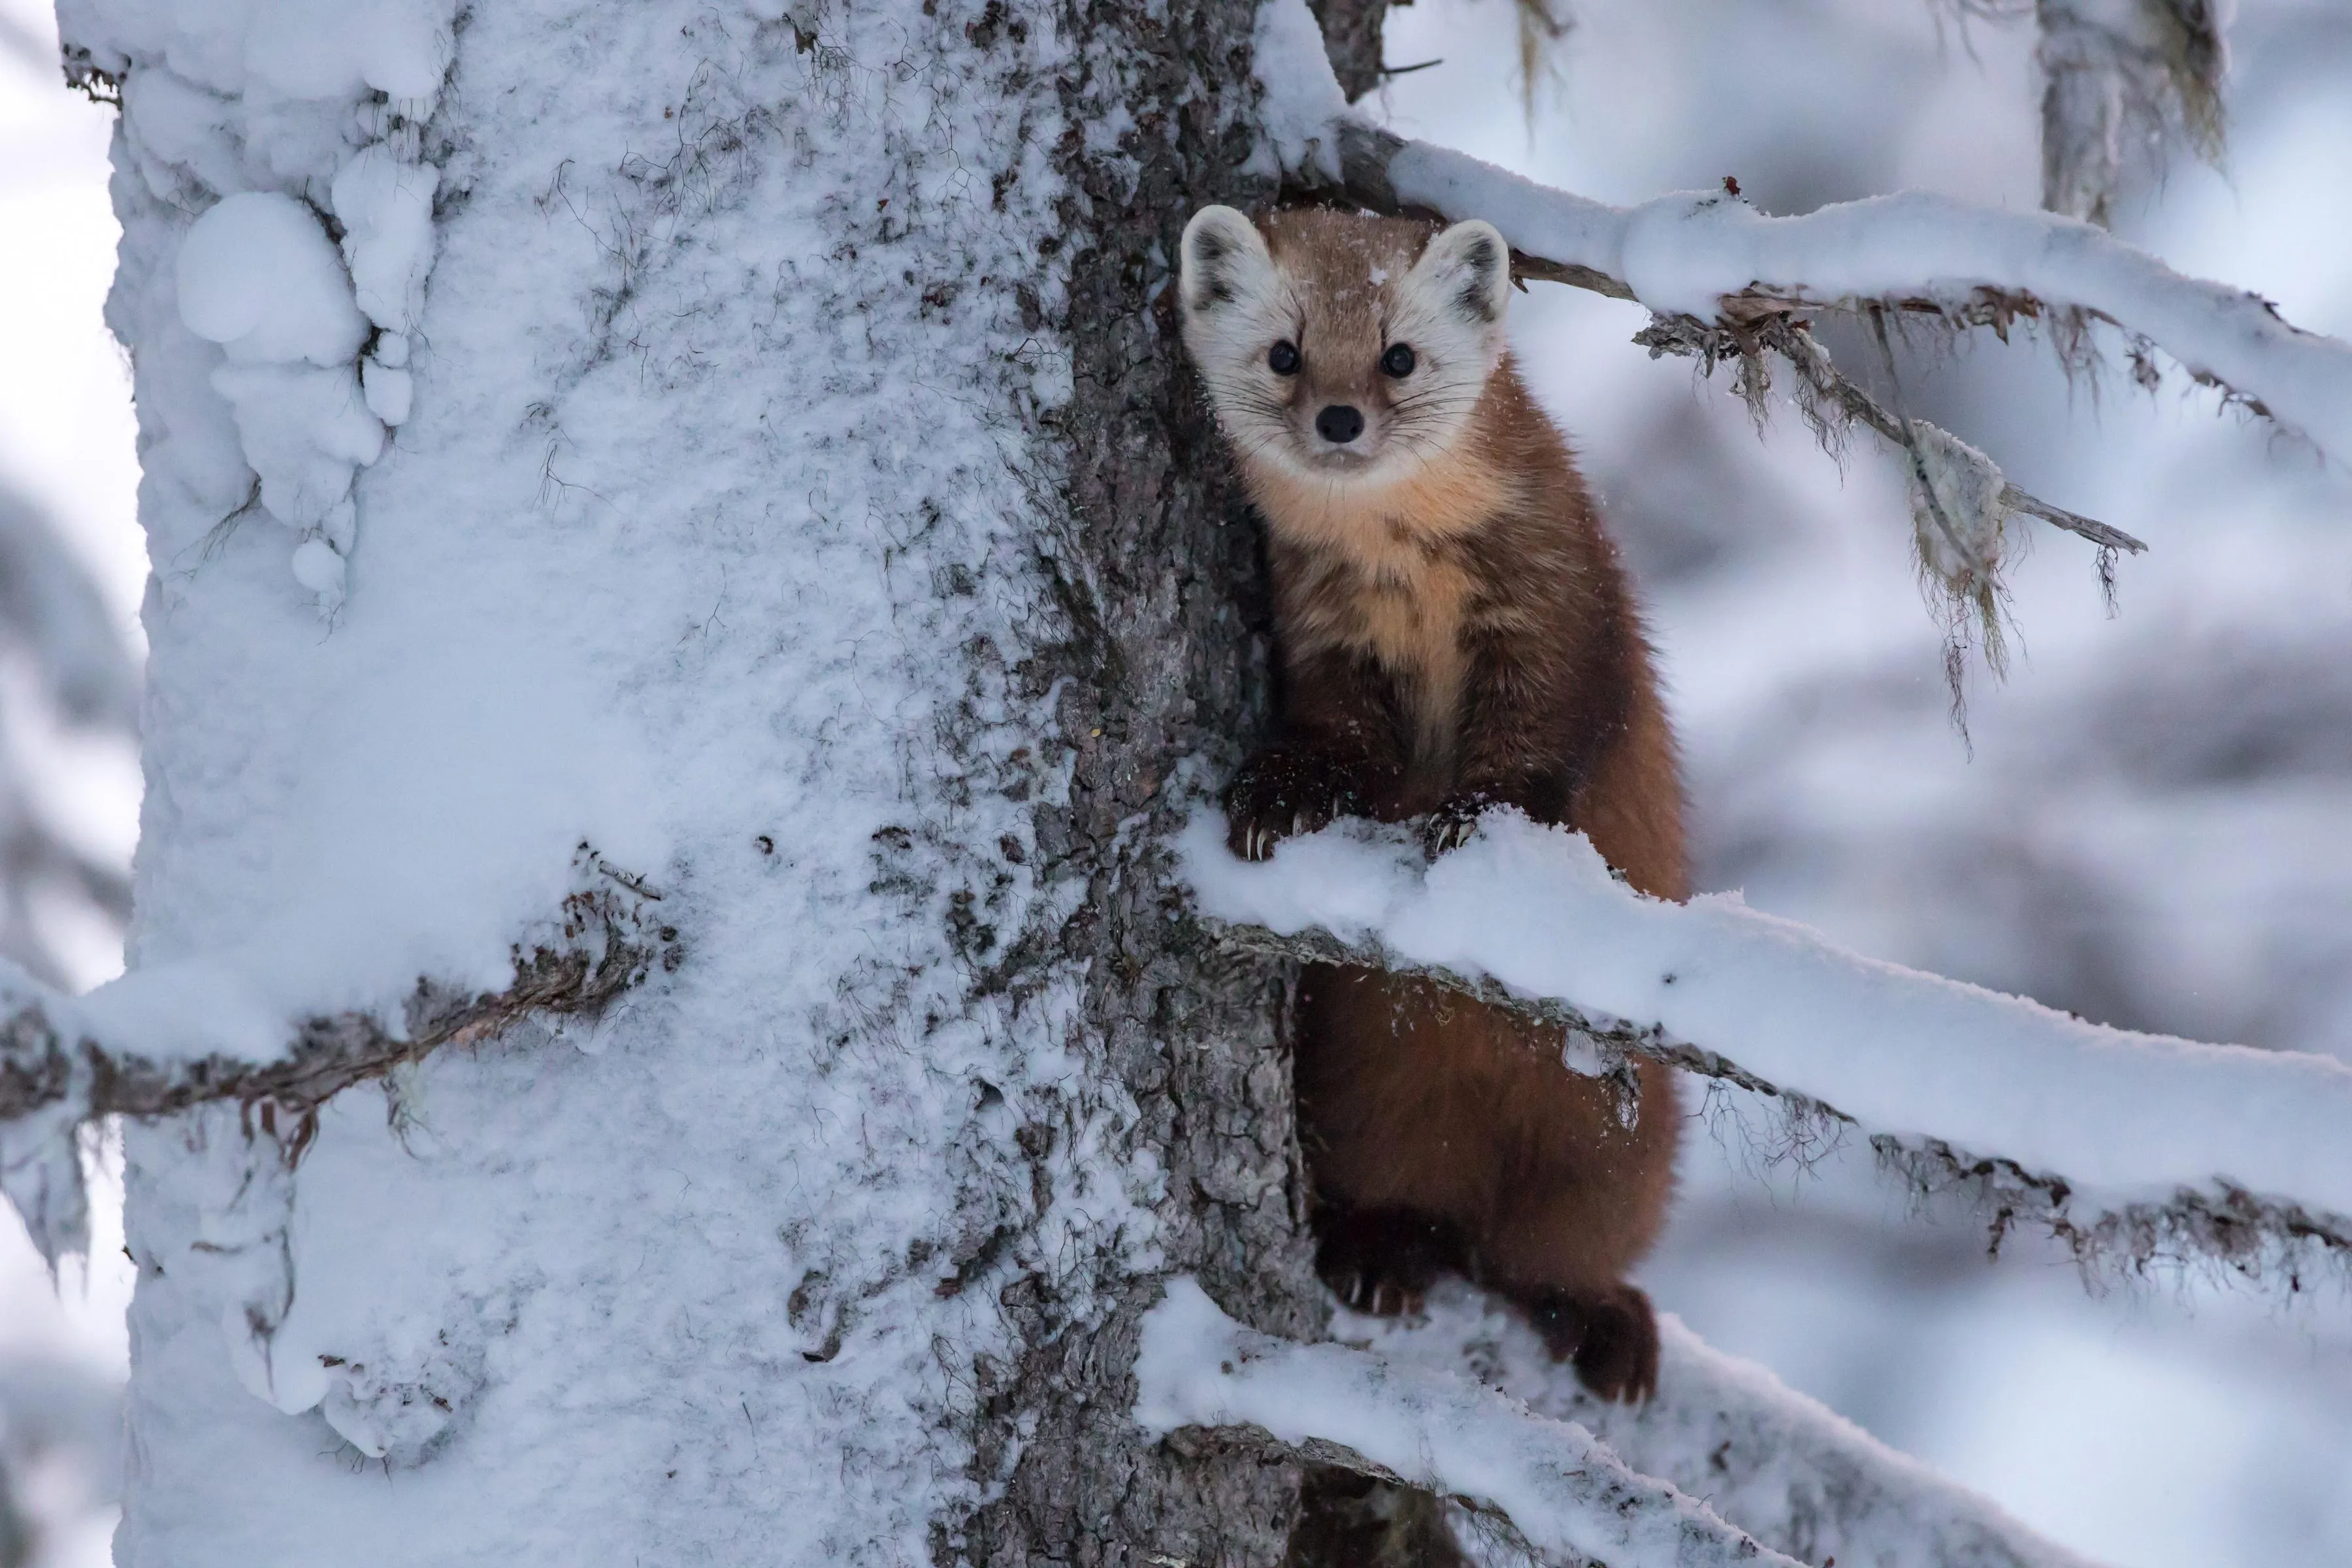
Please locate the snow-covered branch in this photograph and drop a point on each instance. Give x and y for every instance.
(1711, 256)
(2129, 1147)
(1780, 1465)
(64, 1061)
(1562, 1490)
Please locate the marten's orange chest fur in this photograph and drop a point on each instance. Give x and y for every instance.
(1382, 578)
(1454, 634)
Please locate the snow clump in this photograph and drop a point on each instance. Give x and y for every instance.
(260, 277)
(261, 117)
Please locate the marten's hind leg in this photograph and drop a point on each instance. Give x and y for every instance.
(1384, 1261)
(1585, 1196)
(1608, 1333)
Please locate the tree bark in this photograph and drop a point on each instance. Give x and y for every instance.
(1167, 661)
(799, 416)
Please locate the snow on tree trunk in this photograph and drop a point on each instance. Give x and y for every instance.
(748, 440)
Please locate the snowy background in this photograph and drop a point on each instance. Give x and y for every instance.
(2151, 830)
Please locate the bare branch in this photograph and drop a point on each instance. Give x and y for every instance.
(1830, 398)
(1565, 1494)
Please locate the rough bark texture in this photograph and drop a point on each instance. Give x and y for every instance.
(1161, 575)
(1351, 1521)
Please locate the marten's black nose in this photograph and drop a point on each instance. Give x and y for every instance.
(1339, 423)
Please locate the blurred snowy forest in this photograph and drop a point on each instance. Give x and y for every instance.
(2148, 828)
(71, 567)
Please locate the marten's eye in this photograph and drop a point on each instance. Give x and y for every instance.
(1283, 358)
(1398, 360)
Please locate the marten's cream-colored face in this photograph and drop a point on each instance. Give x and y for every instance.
(1339, 347)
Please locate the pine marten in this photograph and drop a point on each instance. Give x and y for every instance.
(1454, 633)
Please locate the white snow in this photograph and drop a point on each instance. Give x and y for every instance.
(335, 48)
(258, 275)
(317, 568)
(303, 50)
(305, 432)
(259, 116)
(2136, 1116)
(1565, 1490)
(391, 392)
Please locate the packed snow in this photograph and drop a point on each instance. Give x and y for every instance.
(1561, 1488)
(262, 120)
(385, 206)
(258, 275)
(1901, 1052)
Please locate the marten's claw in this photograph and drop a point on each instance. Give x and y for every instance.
(1281, 794)
(1384, 1261)
(1450, 827)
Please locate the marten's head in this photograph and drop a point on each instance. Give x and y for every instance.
(1338, 347)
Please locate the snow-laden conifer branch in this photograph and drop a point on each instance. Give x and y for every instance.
(1780, 1465)
(1709, 254)
(61, 1066)
(1563, 1491)
(2130, 1148)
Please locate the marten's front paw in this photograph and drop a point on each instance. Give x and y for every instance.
(1610, 1335)
(1384, 1261)
(1449, 826)
(1279, 795)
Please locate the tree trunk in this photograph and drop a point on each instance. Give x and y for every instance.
(805, 503)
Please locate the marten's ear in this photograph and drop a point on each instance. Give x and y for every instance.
(1224, 260)
(1468, 269)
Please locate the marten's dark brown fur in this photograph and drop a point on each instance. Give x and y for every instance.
(1455, 633)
